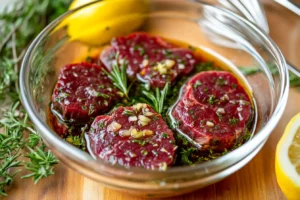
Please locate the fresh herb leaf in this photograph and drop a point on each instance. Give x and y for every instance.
(13, 125)
(157, 100)
(212, 99)
(119, 77)
(233, 121)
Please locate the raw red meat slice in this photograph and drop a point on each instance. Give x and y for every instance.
(83, 91)
(133, 49)
(63, 129)
(213, 111)
(154, 60)
(177, 63)
(133, 136)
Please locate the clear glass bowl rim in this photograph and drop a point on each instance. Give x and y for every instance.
(215, 165)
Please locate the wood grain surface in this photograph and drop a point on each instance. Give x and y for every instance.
(255, 181)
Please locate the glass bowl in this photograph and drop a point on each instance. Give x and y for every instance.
(224, 34)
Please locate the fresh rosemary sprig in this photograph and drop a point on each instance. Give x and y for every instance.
(20, 23)
(157, 100)
(14, 125)
(118, 76)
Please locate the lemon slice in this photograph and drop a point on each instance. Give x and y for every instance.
(99, 23)
(287, 161)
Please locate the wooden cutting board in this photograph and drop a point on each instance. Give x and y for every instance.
(255, 181)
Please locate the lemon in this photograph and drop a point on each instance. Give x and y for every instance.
(99, 23)
(287, 161)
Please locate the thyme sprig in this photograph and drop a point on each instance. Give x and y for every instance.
(118, 76)
(156, 100)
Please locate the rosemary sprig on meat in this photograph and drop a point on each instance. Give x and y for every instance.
(118, 76)
(156, 100)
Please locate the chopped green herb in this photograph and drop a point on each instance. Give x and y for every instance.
(84, 107)
(140, 142)
(197, 84)
(233, 121)
(204, 66)
(91, 109)
(164, 135)
(221, 81)
(105, 96)
(168, 53)
(212, 99)
(219, 115)
(101, 124)
(144, 152)
(155, 118)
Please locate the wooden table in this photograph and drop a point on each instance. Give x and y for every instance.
(256, 181)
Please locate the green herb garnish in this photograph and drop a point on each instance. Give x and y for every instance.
(119, 77)
(156, 100)
(13, 125)
(212, 99)
(233, 121)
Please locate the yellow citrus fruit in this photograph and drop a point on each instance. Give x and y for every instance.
(287, 161)
(99, 23)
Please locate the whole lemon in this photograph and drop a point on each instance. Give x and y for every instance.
(100, 22)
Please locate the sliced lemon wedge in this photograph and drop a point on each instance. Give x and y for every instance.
(287, 161)
(100, 22)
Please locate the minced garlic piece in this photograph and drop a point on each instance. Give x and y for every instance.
(147, 132)
(208, 123)
(114, 126)
(169, 63)
(136, 134)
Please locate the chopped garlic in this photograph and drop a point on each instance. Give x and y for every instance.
(124, 133)
(145, 62)
(148, 114)
(221, 110)
(114, 126)
(161, 68)
(208, 123)
(132, 118)
(147, 132)
(163, 150)
(138, 106)
(169, 63)
(143, 120)
(181, 66)
(136, 134)
(239, 109)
